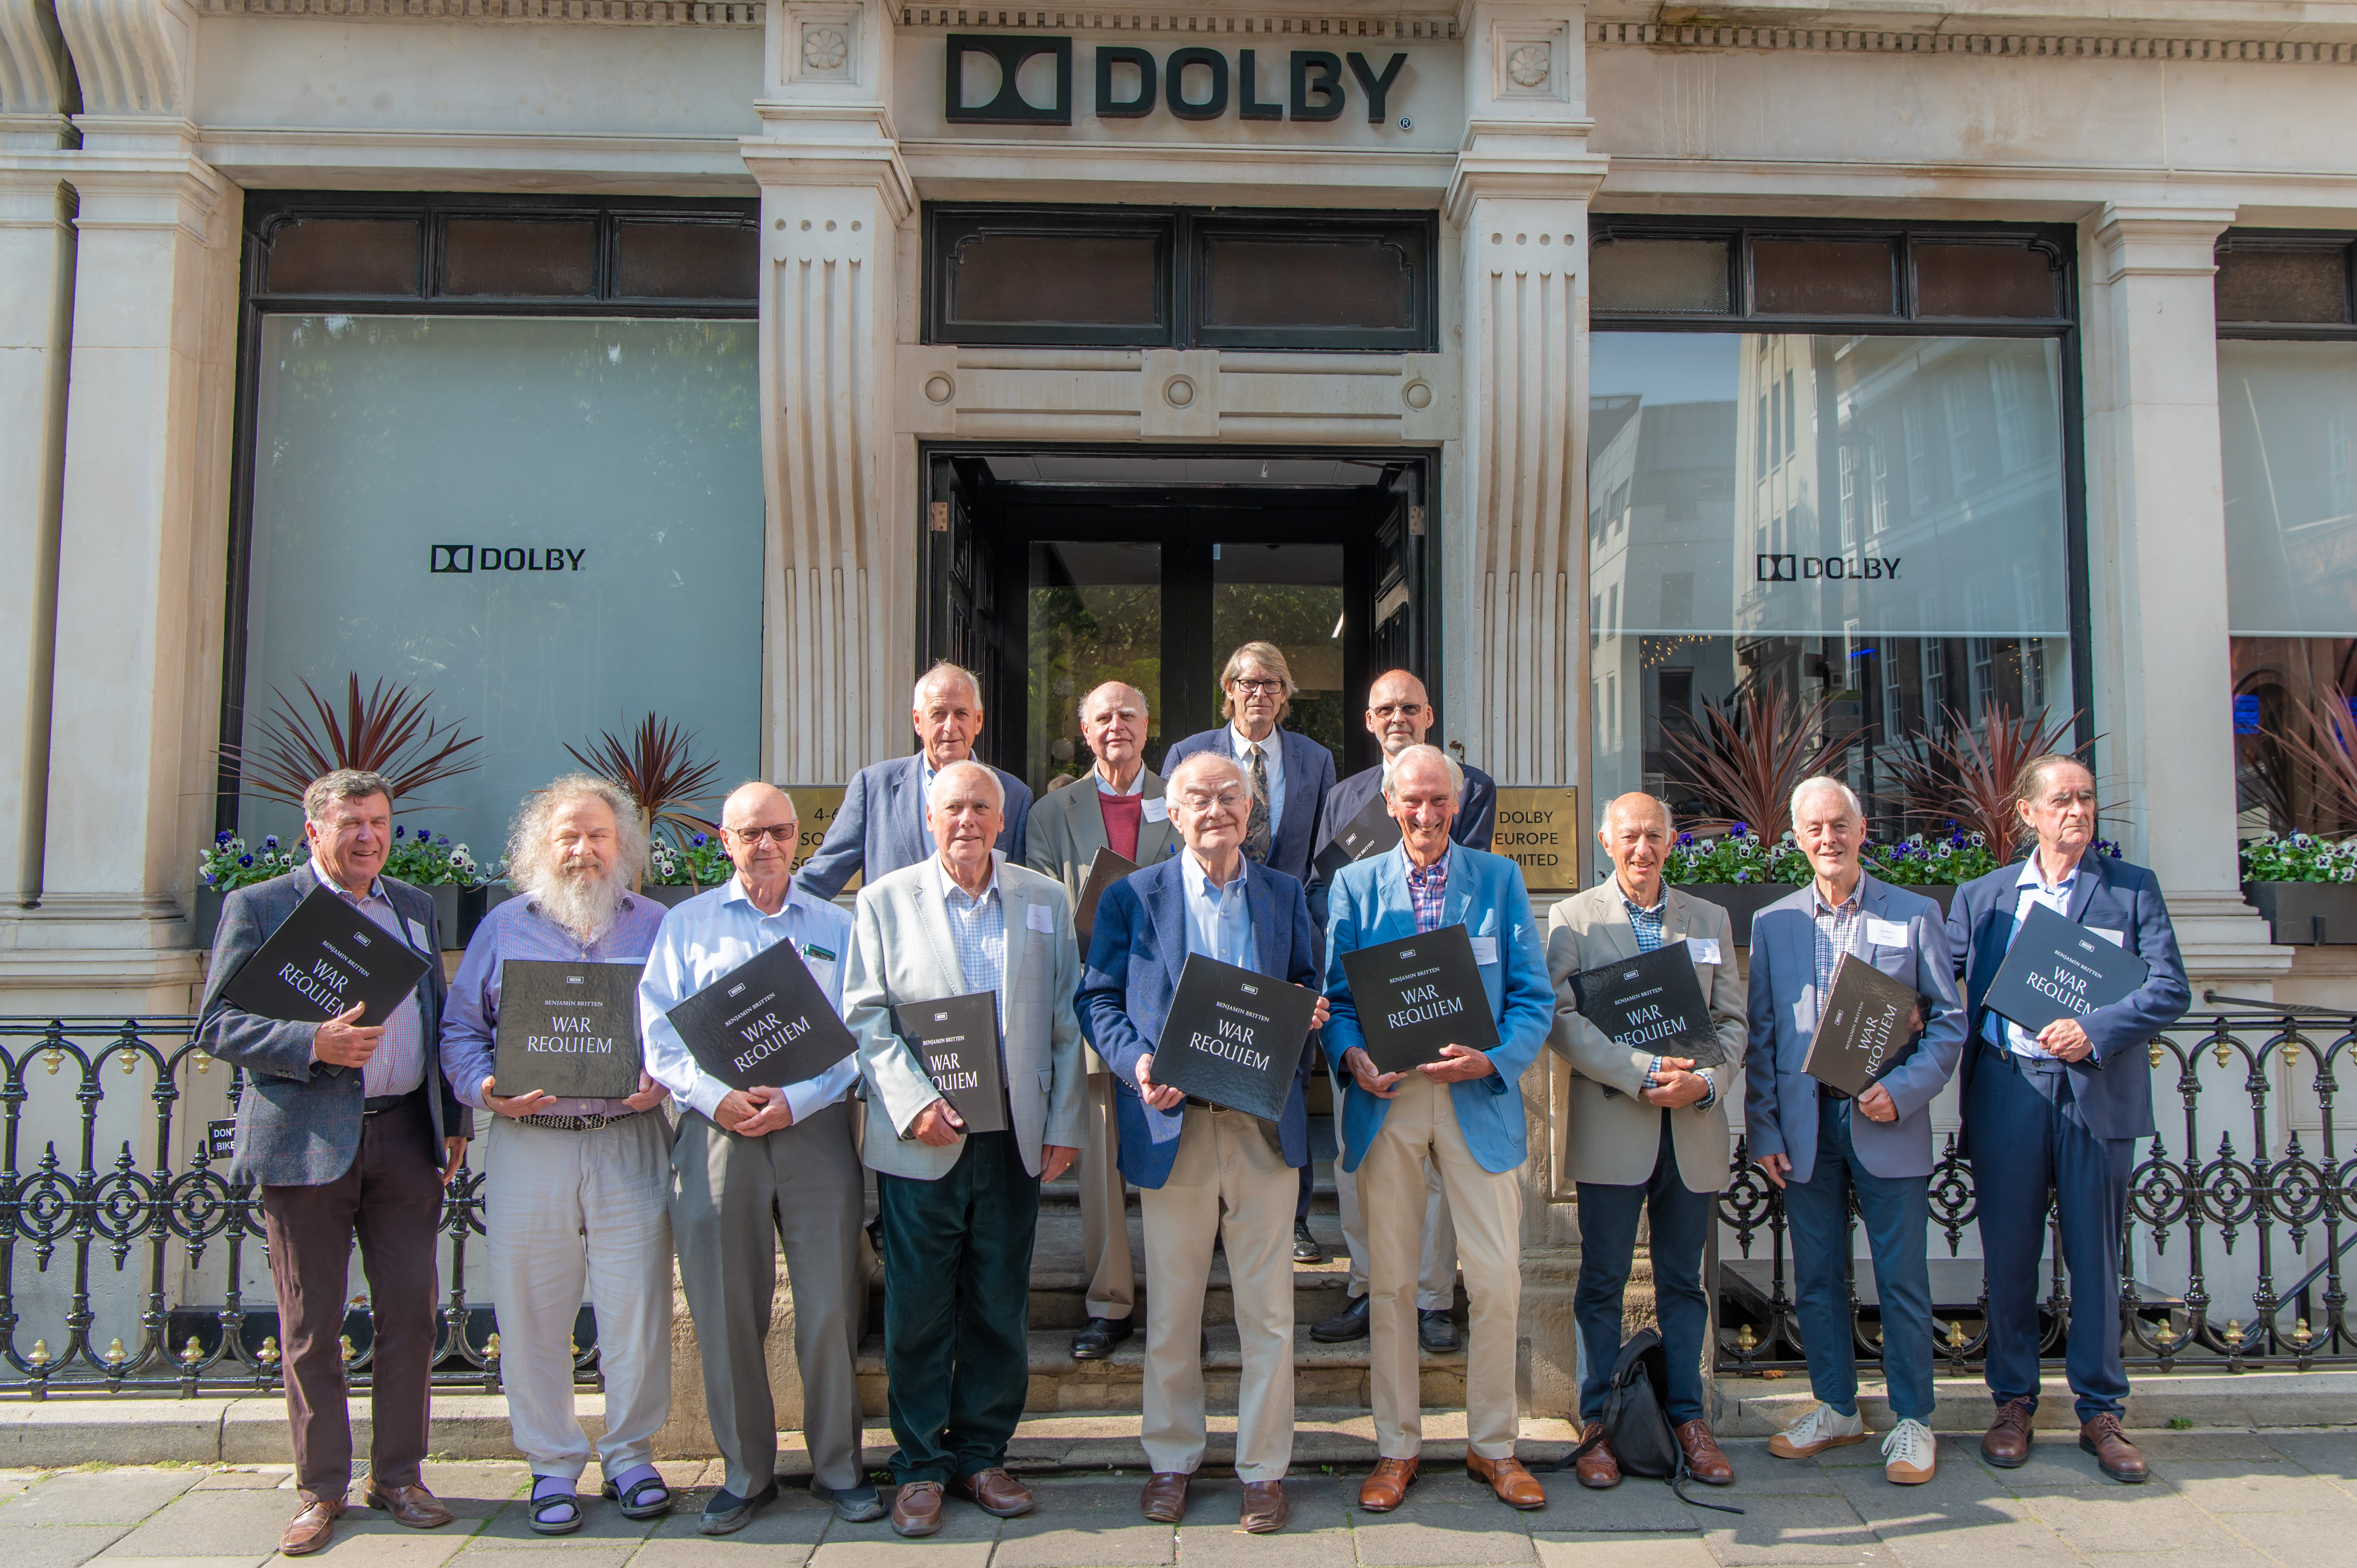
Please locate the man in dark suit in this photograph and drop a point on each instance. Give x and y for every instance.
(1820, 1147)
(1289, 773)
(881, 825)
(1399, 715)
(2058, 1112)
(350, 1131)
(1205, 1173)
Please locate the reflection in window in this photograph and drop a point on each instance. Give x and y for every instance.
(1095, 616)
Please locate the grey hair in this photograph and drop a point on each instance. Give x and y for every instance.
(943, 668)
(1082, 707)
(1268, 656)
(1195, 762)
(343, 784)
(528, 834)
(997, 784)
(1818, 785)
(1456, 771)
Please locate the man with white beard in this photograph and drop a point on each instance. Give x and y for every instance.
(578, 1190)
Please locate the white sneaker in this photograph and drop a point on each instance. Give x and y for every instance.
(1824, 1427)
(1910, 1456)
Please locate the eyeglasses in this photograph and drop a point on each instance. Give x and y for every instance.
(1399, 710)
(1242, 683)
(776, 833)
(1196, 801)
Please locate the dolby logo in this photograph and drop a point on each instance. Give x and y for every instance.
(1827, 568)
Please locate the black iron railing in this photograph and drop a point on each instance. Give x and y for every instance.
(2247, 1191)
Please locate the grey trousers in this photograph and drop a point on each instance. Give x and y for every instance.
(1112, 1290)
(730, 1197)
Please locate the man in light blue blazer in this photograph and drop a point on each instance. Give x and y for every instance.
(2057, 1113)
(1464, 1113)
(1205, 1173)
(880, 826)
(1289, 773)
(1818, 1145)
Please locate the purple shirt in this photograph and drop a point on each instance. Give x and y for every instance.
(517, 929)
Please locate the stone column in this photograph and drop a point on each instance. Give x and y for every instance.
(835, 197)
(1517, 209)
(2157, 563)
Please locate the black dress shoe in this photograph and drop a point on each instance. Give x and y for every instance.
(1350, 1323)
(1305, 1247)
(1436, 1330)
(1096, 1339)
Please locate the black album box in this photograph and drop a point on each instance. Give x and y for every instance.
(956, 1042)
(1372, 831)
(1652, 1003)
(1233, 1036)
(1106, 870)
(2058, 969)
(326, 958)
(1417, 994)
(1864, 1026)
(568, 1029)
(764, 1024)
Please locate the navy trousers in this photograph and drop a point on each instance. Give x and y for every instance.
(2028, 1141)
(1608, 1243)
(1897, 1211)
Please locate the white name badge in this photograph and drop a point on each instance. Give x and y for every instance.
(821, 964)
(1885, 933)
(1485, 950)
(1706, 948)
(1040, 918)
(1158, 808)
(2116, 938)
(417, 937)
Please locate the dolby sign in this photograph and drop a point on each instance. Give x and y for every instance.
(995, 79)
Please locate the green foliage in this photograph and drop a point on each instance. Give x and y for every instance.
(1744, 857)
(2299, 857)
(700, 862)
(425, 860)
(227, 863)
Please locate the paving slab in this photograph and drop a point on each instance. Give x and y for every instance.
(2293, 1540)
(214, 1524)
(1613, 1550)
(1316, 1533)
(57, 1545)
(1428, 1532)
(1779, 1531)
(2128, 1518)
(99, 1497)
(780, 1536)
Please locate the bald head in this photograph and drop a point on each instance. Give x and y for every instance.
(1636, 834)
(758, 829)
(1399, 711)
(1637, 806)
(1113, 721)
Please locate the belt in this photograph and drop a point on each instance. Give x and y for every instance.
(1199, 1100)
(588, 1123)
(376, 1103)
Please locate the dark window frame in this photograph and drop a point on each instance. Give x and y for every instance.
(2311, 241)
(266, 212)
(1181, 323)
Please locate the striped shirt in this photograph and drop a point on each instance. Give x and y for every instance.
(1427, 889)
(978, 927)
(398, 1063)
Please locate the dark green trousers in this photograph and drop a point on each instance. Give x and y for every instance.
(957, 1308)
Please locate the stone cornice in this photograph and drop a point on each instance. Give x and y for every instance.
(602, 13)
(2023, 45)
(854, 161)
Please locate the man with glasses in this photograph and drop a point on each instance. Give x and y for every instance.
(881, 825)
(753, 1169)
(1288, 772)
(1127, 811)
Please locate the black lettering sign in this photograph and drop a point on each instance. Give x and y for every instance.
(1194, 84)
(1111, 107)
(1791, 568)
(1174, 76)
(466, 559)
(1010, 107)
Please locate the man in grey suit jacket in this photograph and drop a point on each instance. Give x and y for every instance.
(1118, 805)
(881, 825)
(959, 1210)
(350, 1131)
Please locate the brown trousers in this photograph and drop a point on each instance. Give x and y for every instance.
(390, 1200)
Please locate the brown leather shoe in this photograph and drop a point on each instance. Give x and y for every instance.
(1387, 1488)
(1164, 1500)
(2115, 1454)
(1264, 1508)
(917, 1507)
(1704, 1460)
(412, 1506)
(2006, 1443)
(994, 1491)
(1515, 1486)
(310, 1530)
(1598, 1470)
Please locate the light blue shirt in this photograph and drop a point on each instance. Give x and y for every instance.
(710, 935)
(1105, 788)
(1219, 920)
(1272, 757)
(2035, 890)
(978, 927)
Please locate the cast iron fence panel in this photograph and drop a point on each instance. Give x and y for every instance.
(2206, 1184)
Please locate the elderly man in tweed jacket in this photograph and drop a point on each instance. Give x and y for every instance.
(351, 1132)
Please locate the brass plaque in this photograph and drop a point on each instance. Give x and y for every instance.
(817, 805)
(1538, 830)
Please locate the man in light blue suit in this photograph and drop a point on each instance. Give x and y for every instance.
(1818, 1145)
(1288, 772)
(2059, 1113)
(881, 825)
(1464, 1113)
(1205, 1173)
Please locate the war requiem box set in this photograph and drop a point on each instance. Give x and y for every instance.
(1233, 1036)
(765, 1023)
(1652, 1003)
(2059, 969)
(568, 1029)
(1419, 993)
(956, 1040)
(327, 957)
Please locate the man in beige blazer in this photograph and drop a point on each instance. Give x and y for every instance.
(959, 1210)
(1648, 1135)
(1119, 805)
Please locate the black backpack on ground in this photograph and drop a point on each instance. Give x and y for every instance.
(1635, 1423)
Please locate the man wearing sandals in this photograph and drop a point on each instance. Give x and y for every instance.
(576, 1190)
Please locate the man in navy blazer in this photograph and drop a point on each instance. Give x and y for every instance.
(350, 1131)
(1194, 1161)
(2058, 1112)
(1463, 1113)
(881, 825)
(1819, 1146)
(1289, 773)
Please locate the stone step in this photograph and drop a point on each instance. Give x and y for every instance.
(1059, 1282)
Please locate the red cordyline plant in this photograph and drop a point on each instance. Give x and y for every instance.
(2327, 747)
(385, 732)
(657, 765)
(1746, 762)
(1975, 781)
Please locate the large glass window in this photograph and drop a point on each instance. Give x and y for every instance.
(1292, 596)
(554, 524)
(1095, 616)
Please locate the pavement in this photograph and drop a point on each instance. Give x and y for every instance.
(2217, 1499)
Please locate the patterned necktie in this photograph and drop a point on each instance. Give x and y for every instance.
(1256, 827)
